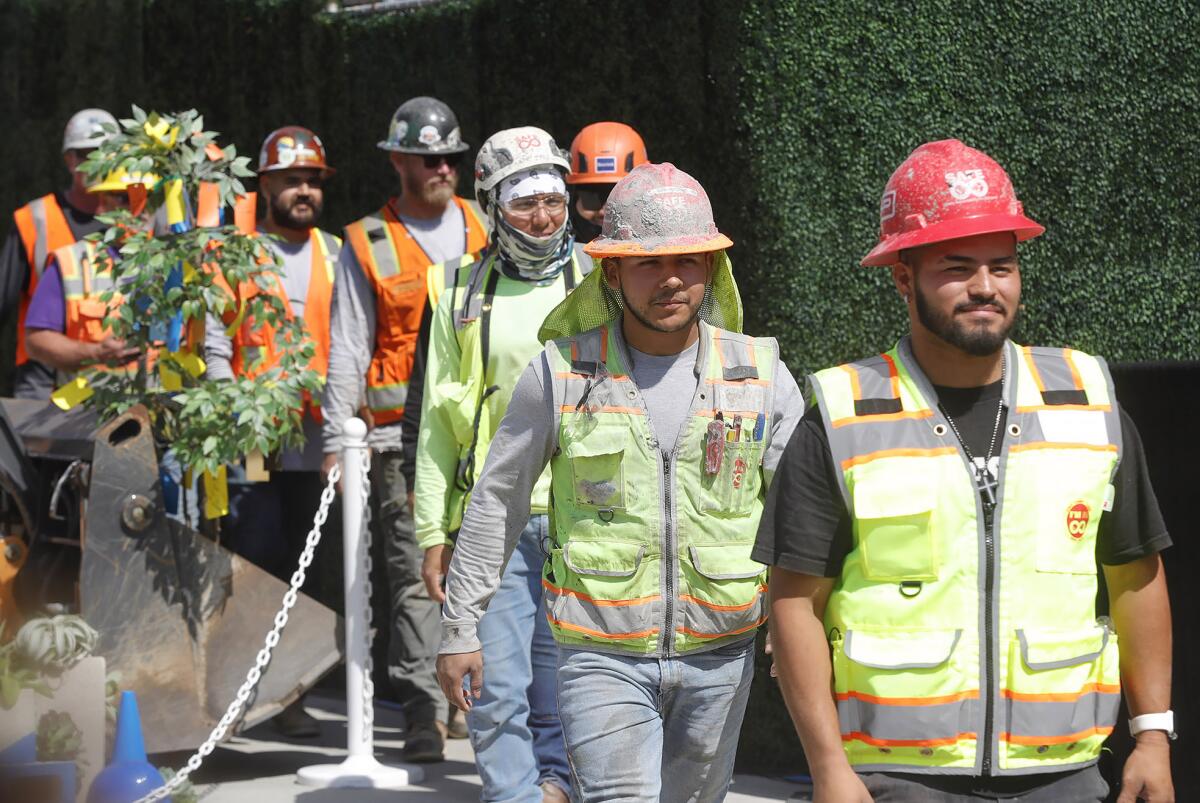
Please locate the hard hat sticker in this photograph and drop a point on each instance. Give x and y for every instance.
(1078, 516)
(606, 164)
(399, 130)
(887, 205)
(967, 184)
(429, 135)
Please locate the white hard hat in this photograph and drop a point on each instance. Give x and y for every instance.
(511, 151)
(84, 129)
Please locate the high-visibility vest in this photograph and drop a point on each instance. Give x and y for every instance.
(644, 545)
(396, 266)
(959, 648)
(254, 350)
(467, 404)
(43, 229)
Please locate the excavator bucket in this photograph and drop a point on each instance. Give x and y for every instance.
(181, 619)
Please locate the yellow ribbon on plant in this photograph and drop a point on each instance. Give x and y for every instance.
(161, 132)
(176, 209)
(189, 361)
(71, 394)
(216, 494)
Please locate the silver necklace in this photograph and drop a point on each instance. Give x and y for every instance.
(985, 483)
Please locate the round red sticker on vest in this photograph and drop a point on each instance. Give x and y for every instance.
(1078, 516)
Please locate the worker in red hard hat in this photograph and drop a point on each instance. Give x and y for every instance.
(601, 155)
(660, 423)
(935, 527)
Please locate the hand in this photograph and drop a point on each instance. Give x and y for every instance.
(332, 459)
(452, 668)
(841, 786)
(112, 351)
(433, 571)
(1147, 773)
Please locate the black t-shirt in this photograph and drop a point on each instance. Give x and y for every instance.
(806, 527)
(33, 380)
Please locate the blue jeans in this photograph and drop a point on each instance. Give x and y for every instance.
(650, 729)
(515, 731)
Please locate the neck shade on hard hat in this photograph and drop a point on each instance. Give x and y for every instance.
(657, 210)
(946, 191)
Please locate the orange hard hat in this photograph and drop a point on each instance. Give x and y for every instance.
(604, 153)
(943, 191)
(293, 147)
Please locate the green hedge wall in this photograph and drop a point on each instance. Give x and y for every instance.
(792, 115)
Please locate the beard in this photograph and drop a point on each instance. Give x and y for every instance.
(290, 218)
(642, 314)
(976, 340)
(437, 193)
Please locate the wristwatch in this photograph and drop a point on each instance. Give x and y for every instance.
(1154, 722)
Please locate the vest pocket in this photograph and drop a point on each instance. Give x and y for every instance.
(602, 590)
(893, 533)
(598, 471)
(733, 490)
(721, 593)
(907, 697)
(92, 312)
(1061, 696)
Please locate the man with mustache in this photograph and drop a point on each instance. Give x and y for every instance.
(268, 520)
(935, 527)
(380, 296)
(661, 425)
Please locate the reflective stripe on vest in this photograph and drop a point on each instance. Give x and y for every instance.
(398, 268)
(620, 510)
(254, 350)
(43, 229)
(922, 652)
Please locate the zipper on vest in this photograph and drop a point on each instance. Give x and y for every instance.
(989, 544)
(668, 558)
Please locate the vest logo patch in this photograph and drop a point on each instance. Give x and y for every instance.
(1078, 516)
(739, 472)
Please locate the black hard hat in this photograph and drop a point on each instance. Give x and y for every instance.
(424, 125)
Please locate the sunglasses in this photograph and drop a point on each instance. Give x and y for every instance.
(434, 160)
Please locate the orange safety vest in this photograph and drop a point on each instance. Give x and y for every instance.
(43, 229)
(396, 266)
(84, 310)
(254, 349)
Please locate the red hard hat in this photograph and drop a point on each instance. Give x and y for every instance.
(604, 153)
(943, 191)
(292, 147)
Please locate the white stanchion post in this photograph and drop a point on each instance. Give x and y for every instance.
(360, 769)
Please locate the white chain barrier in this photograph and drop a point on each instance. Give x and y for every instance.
(263, 659)
(360, 768)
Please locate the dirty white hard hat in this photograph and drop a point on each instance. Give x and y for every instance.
(84, 129)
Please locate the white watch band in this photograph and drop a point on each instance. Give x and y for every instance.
(1154, 722)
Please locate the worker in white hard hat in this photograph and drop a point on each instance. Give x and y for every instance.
(482, 333)
(41, 227)
(659, 425)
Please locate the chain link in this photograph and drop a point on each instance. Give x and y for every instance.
(368, 686)
(234, 712)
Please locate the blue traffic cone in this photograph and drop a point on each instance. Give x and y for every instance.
(128, 776)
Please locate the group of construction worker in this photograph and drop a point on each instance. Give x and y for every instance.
(593, 488)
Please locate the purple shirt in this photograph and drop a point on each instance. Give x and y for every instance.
(48, 307)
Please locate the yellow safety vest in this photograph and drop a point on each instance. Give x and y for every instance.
(960, 648)
(651, 555)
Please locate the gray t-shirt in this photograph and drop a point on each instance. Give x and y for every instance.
(441, 238)
(667, 384)
(524, 442)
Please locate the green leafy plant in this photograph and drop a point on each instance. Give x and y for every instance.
(185, 792)
(58, 737)
(15, 676)
(168, 276)
(55, 643)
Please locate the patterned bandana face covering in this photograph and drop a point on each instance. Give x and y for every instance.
(534, 258)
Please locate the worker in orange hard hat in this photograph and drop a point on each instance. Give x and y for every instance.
(601, 155)
(938, 524)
